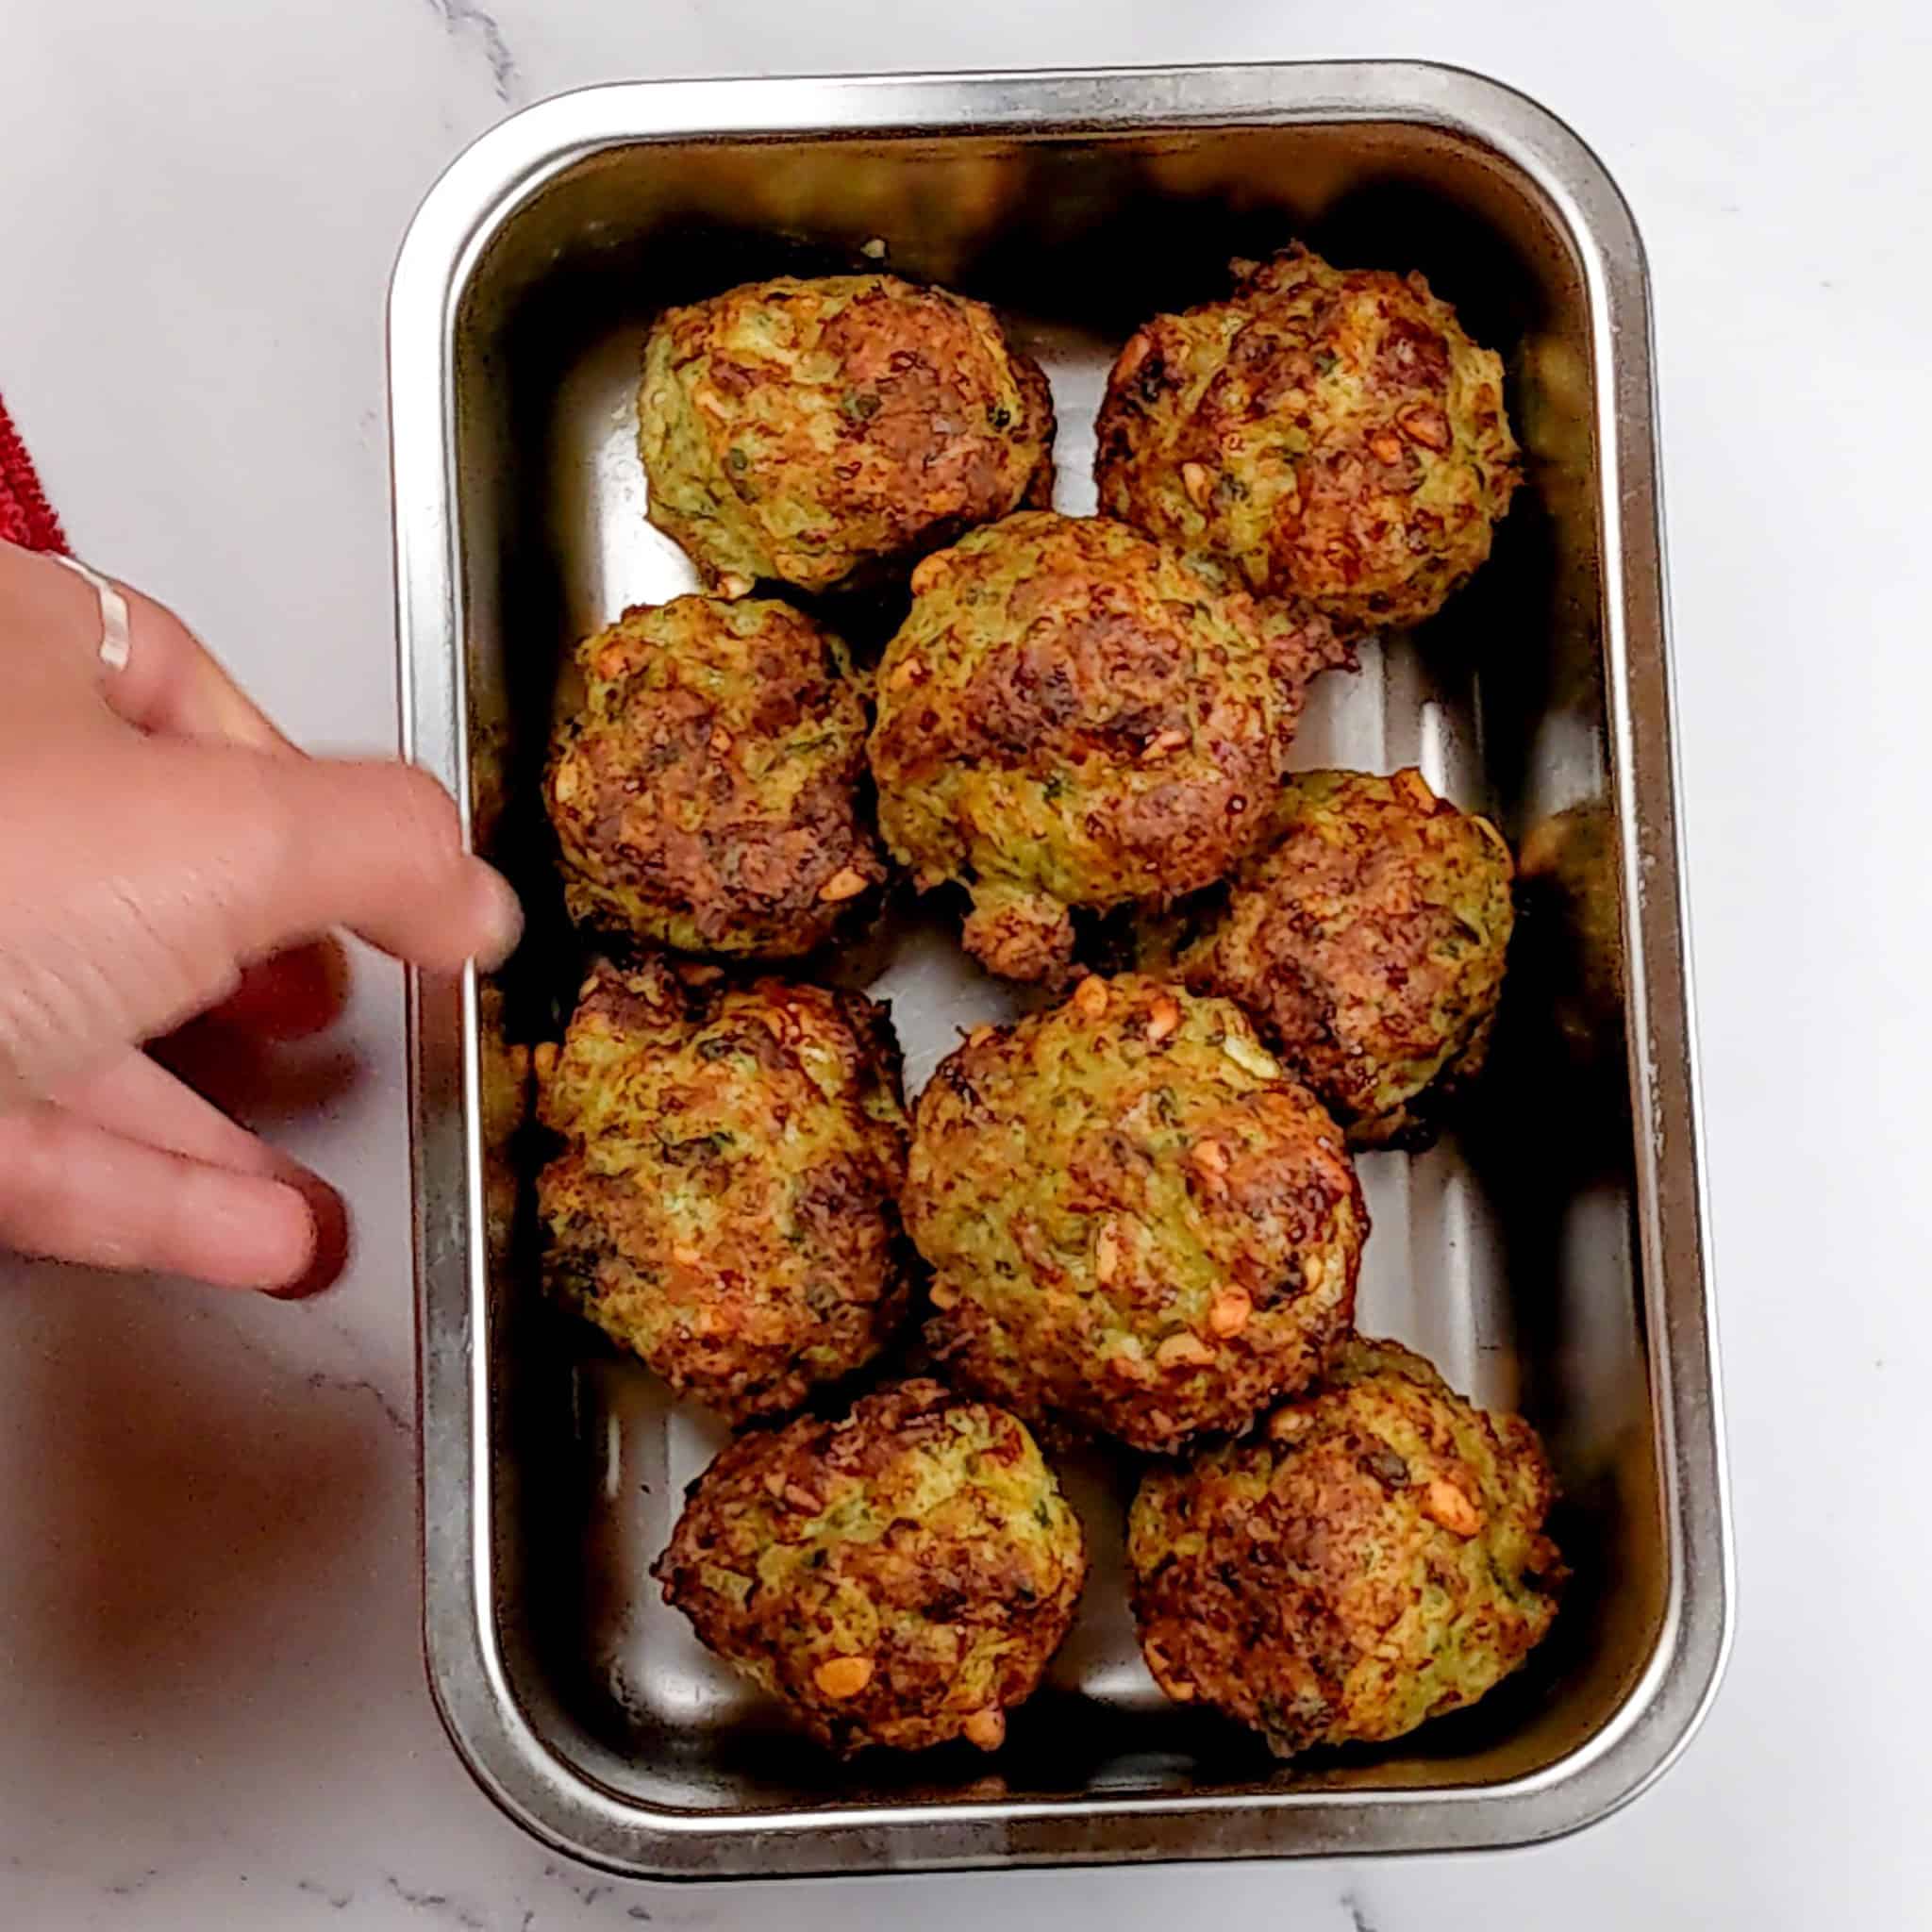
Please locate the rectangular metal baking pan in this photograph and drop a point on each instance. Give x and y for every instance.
(1551, 1255)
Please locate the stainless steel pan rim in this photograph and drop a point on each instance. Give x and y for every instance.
(555, 1800)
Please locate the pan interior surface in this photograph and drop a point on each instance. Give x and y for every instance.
(1511, 1253)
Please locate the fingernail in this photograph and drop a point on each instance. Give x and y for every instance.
(330, 1218)
(291, 995)
(499, 916)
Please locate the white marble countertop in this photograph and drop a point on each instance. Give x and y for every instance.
(212, 1709)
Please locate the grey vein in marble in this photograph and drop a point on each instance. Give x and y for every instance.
(330, 1381)
(465, 15)
(336, 1901)
(319, 1380)
(1358, 1916)
(585, 1891)
(438, 1905)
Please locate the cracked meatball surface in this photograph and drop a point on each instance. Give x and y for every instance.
(1324, 433)
(820, 432)
(1370, 1558)
(724, 1205)
(901, 1577)
(1139, 1224)
(1072, 717)
(706, 795)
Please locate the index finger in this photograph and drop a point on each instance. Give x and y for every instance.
(171, 685)
(369, 844)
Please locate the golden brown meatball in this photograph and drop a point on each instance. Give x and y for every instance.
(1370, 943)
(817, 432)
(1330, 434)
(1370, 1558)
(724, 1205)
(900, 1578)
(1138, 1224)
(706, 796)
(1071, 716)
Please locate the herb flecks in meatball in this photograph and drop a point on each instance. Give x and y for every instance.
(1371, 1557)
(706, 796)
(818, 433)
(1369, 942)
(1327, 434)
(901, 1577)
(1072, 717)
(1138, 1224)
(725, 1203)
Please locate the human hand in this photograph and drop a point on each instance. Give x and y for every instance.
(166, 853)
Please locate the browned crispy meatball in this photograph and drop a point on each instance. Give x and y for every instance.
(1331, 434)
(1370, 1558)
(1137, 1223)
(1072, 716)
(819, 432)
(706, 795)
(900, 1578)
(1370, 943)
(725, 1202)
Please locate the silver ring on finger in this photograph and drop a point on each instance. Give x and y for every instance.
(114, 645)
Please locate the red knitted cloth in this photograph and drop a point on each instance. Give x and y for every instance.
(25, 515)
